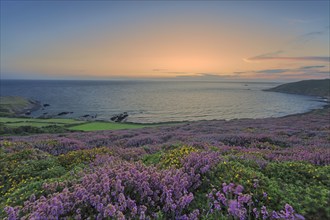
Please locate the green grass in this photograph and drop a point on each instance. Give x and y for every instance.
(52, 120)
(60, 121)
(71, 124)
(37, 123)
(33, 124)
(6, 120)
(97, 126)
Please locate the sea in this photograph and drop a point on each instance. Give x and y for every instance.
(159, 101)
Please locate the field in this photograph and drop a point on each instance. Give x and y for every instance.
(32, 125)
(276, 168)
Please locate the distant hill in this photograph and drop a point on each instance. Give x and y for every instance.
(305, 87)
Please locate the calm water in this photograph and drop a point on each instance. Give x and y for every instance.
(160, 101)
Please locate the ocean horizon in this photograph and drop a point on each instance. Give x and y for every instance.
(152, 101)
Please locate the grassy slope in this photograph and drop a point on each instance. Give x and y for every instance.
(12, 105)
(305, 87)
(255, 150)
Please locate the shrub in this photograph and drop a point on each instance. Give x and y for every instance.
(173, 157)
(82, 156)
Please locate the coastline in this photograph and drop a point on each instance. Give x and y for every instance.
(36, 105)
(317, 90)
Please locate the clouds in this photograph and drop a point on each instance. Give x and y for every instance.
(287, 58)
(292, 46)
(208, 77)
(311, 67)
(304, 38)
(273, 71)
(316, 71)
(293, 73)
(263, 56)
(303, 72)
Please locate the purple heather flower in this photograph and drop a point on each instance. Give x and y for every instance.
(264, 194)
(142, 215)
(217, 205)
(288, 209)
(11, 212)
(122, 200)
(264, 212)
(275, 215)
(134, 210)
(236, 210)
(225, 188)
(239, 189)
(245, 198)
(109, 210)
(194, 215)
(233, 206)
(256, 213)
(120, 216)
(221, 197)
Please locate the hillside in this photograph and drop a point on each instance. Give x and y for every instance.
(305, 87)
(252, 166)
(14, 105)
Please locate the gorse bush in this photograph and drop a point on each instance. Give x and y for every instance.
(298, 173)
(174, 157)
(82, 156)
(21, 165)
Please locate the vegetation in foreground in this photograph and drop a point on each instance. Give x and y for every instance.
(242, 169)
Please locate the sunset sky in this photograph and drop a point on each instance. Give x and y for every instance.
(223, 40)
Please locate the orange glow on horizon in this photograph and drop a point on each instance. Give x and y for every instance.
(177, 46)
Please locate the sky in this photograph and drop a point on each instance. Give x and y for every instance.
(184, 40)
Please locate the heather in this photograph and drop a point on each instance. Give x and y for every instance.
(274, 168)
